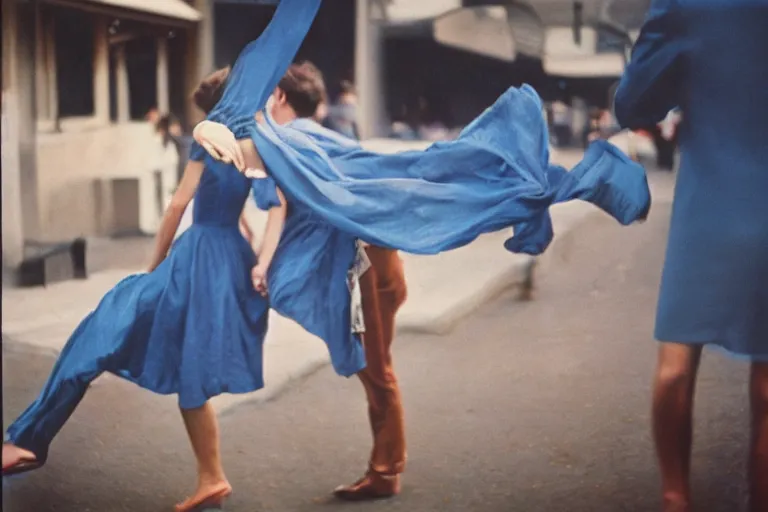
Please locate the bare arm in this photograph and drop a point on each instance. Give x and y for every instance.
(245, 229)
(272, 232)
(275, 221)
(172, 217)
(275, 217)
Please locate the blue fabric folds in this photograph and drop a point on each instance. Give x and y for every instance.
(494, 176)
(308, 278)
(262, 64)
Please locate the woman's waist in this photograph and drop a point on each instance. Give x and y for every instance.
(216, 225)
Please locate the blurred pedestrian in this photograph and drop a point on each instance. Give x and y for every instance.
(172, 133)
(561, 123)
(342, 115)
(709, 58)
(665, 139)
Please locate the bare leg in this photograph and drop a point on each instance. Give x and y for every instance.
(203, 430)
(673, 421)
(758, 463)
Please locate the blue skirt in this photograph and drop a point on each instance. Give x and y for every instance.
(193, 327)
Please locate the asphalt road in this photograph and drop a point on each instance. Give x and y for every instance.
(534, 406)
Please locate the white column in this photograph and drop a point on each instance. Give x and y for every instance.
(53, 83)
(205, 37)
(10, 168)
(41, 68)
(101, 70)
(46, 86)
(199, 59)
(368, 69)
(163, 94)
(122, 87)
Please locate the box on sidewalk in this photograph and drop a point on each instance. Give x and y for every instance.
(54, 263)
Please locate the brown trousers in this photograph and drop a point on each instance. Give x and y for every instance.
(383, 291)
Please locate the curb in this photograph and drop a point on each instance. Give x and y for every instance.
(517, 276)
(434, 306)
(567, 224)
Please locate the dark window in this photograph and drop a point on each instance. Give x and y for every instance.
(141, 61)
(74, 62)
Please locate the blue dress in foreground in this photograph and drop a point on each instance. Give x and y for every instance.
(710, 58)
(194, 326)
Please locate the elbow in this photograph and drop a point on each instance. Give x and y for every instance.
(177, 206)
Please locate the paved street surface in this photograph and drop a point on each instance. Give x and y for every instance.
(535, 406)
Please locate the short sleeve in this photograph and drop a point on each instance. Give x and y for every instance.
(240, 125)
(265, 193)
(196, 152)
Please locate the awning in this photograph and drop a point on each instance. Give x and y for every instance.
(605, 65)
(168, 10)
(482, 30)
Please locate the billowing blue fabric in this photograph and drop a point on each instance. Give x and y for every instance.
(710, 58)
(496, 175)
(194, 326)
(263, 63)
(308, 274)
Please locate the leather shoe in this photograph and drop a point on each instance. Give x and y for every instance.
(373, 486)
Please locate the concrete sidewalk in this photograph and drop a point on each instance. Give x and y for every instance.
(443, 289)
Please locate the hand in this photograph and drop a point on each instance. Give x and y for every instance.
(220, 143)
(259, 279)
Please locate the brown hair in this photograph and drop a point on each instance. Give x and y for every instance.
(210, 90)
(347, 87)
(302, 84)
(304, 88)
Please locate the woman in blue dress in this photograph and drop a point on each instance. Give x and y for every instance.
(194, 325)
(709, 58)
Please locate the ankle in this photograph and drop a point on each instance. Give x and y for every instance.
(208, 477)
(676, 501)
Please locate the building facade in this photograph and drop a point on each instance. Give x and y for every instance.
(79, 76)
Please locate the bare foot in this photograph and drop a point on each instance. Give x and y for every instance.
(13, 456)
(213, 493)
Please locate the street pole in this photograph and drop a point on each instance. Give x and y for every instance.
(368, 64)
(362, 65)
